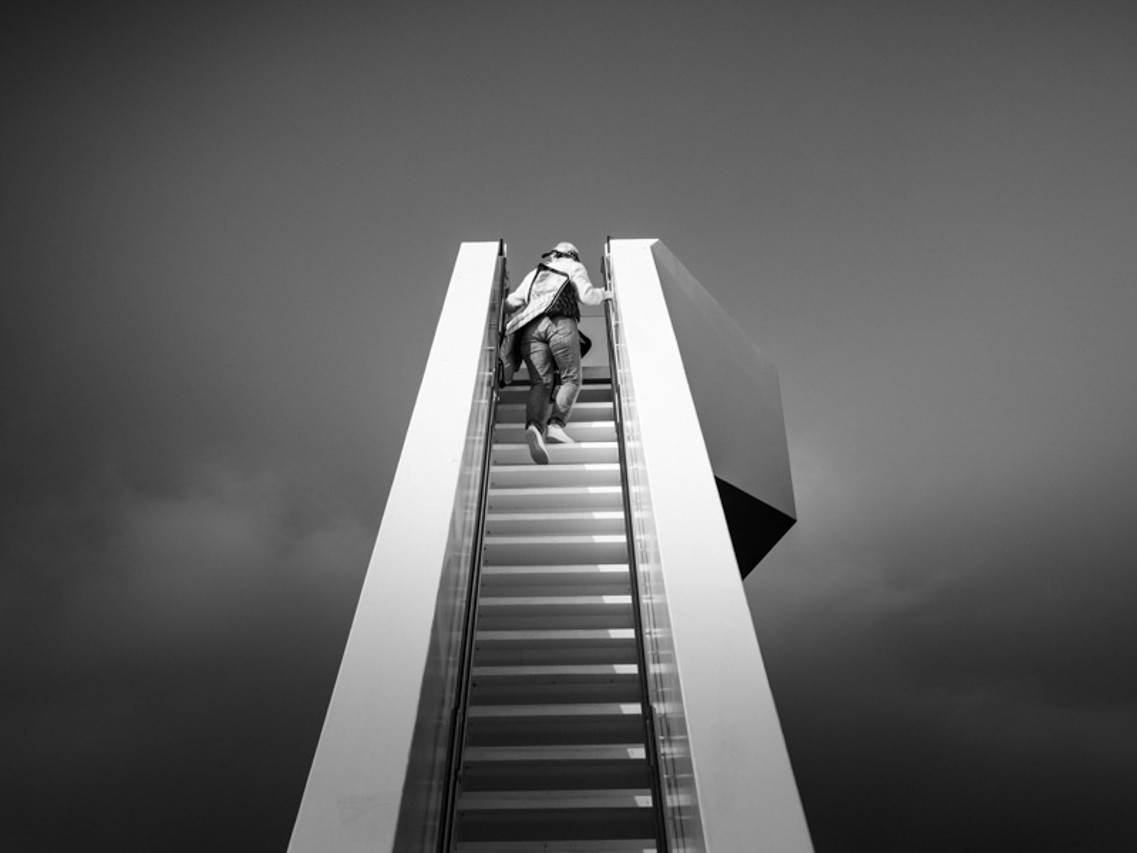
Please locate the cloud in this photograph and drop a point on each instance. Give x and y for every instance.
(168, 648)
(960, 653)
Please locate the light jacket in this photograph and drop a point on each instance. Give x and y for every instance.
(540, 287)
(532, 298)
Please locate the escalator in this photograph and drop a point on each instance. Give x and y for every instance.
(555, 744)
(493, 695)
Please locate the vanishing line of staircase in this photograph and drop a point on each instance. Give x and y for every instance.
(556, 755)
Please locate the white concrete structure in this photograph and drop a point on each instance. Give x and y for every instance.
(399, 658)
(710, 669)
(561, 657)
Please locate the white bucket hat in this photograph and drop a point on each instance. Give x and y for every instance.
(567, 249)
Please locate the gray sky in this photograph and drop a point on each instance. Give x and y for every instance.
(227, 231)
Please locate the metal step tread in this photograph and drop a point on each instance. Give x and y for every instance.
(632, 752)
(550, 775)
(555, 522)
(573, 428)
(595, 376)
(552, 730)
(555, 474)
(590, 653)
(583, 410)
(568, 709)
(574, 466)
(589, 395)
(557, 583)
(540, 826)
(537, 492)
(554, 600)
(614, 845)
(564, 569)
(603, 798)
(538, 635)
(554, 549)
(524, 670)
(517, 455)
(544, 587)
(530, 688)
(595, 379)
(556, 515)
(552, 538)
(597, 617)
(561, 581)
(552, 445)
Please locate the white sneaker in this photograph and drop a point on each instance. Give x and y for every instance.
(536, 445)
(556, 434)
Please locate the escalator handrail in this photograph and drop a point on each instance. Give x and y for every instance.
(466, 652)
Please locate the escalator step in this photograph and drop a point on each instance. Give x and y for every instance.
(609, 845)
(555, 497)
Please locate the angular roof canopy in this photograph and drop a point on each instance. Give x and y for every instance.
(739, 405)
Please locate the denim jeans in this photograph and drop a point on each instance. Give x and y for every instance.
(549, 344)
